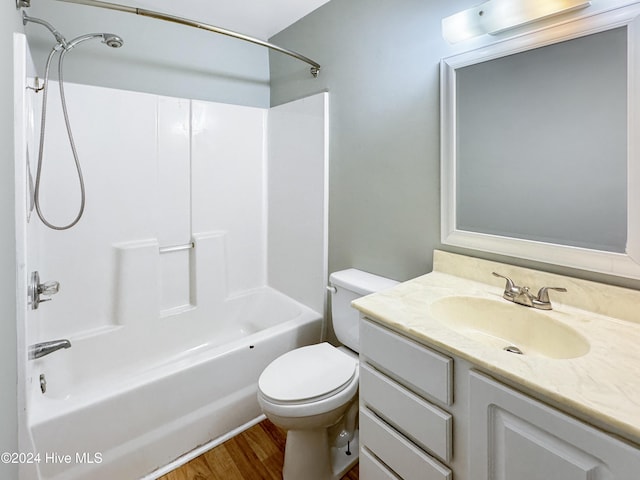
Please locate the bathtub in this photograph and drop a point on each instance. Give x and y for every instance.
(125, 402)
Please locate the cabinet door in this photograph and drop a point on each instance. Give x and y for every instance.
(514, 437)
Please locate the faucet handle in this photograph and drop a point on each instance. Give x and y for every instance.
(543, 293)
(510, 289)
(35, 289)
(49, 288)
(510, 286)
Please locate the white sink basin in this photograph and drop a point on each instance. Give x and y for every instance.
(502, 324)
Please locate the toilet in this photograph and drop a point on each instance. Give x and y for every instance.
(312, 391)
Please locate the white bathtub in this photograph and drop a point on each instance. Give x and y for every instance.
(128, 401)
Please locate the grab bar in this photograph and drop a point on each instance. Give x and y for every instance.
(177, 248)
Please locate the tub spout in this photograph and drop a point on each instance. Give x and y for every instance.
(45, 348)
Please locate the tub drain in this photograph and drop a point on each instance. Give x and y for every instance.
(513, 349)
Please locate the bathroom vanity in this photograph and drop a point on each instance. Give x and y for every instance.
(441, 398)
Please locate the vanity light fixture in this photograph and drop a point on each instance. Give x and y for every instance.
(495, 16)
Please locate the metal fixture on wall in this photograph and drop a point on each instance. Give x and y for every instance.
(495, 16)
(177, 248)
(35, 289)
(40, 350)
(315, 67)
(62, 46)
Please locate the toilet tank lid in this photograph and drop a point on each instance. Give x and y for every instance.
(360, 282)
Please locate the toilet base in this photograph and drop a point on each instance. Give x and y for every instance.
(308, 455)
(341, 462)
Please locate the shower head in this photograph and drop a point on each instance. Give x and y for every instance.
(112, 40)
(109, 39)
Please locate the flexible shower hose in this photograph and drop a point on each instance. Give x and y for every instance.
(63, 51)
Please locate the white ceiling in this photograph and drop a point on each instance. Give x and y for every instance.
(258, 18)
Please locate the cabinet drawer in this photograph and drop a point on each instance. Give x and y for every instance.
(400, 455)
(425, 424)
(420, 368)
(372, 469)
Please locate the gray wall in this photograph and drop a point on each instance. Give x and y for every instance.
(9, 22)
(157, 57)
(380, 64)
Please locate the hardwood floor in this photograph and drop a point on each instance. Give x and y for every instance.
(255, 454)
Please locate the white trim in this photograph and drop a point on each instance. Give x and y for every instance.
(625, 265)
(20, 55)
(196, 452)
(325, 220)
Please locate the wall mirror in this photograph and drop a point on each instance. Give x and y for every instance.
(540, 145)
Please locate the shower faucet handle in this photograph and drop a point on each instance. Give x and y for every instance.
(49, 288)
(36, 289)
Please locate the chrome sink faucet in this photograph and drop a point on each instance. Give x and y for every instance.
(522, 295)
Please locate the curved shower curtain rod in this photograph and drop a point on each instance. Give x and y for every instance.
(315, 67)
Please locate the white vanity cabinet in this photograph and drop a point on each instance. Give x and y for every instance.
(403, 433)
(410, 424)
(517, 437)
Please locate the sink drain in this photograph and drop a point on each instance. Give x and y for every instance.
(513, 349)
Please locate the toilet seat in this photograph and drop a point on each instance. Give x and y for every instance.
(308, 381)
(307, 374)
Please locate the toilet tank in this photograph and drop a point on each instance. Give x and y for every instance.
(351, 284)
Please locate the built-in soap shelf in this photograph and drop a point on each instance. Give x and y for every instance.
(152, 282)
(176, 279)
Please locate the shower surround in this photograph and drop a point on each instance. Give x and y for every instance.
(167, 343)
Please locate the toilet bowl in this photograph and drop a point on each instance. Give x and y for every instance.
(306, 391)
(312, 391)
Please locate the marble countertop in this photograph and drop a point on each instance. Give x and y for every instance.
(601, 387)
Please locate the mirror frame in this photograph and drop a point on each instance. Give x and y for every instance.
(620, 264)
